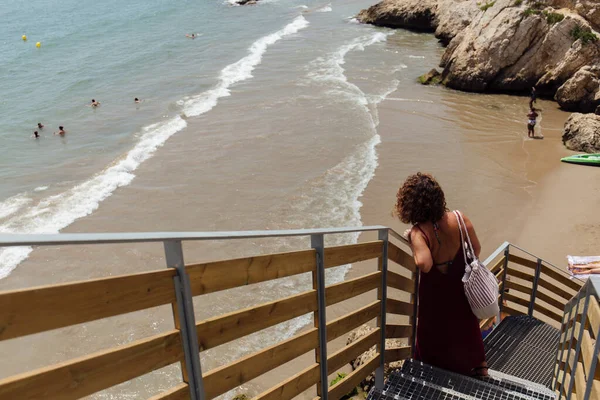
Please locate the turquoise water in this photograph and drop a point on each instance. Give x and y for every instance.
(110, 51)
(299, 75)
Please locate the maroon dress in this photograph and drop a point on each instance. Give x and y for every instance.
(448, 334)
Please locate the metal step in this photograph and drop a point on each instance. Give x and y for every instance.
(418, 381)
(523, 347)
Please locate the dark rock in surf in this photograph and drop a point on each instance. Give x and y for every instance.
(433, 77)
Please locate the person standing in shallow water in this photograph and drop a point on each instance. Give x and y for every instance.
(532, 97)
(448, 334)
(531, 121)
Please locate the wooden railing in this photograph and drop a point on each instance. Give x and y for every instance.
(530, 286)
(39, 309)
(577, 373)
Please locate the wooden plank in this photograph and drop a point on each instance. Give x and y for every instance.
(519, 274)
(587, 351)
(522, 261)
(348, 322)
(400, 282)
(351, 288)
(89, 374)
(348, 254)
(398, 331)
(518, 300)
(580, 384)
(353, 379)
(227, 377)
(594, 316)
(498, 266)
(561, 278)
(512, 311)
(399, 307)
(401, 257)
(23, 312)
(293, 386)
(397, 354)
(521, 288)
(560, 306)
(595, 395)
(301, 381)
(554, 289)
(350, 352)
(179, 392)
(548, 312)
(220, 275)
(498, 275)
(222, 329)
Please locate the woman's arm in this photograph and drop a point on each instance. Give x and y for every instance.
(473, 236)
(421, 252)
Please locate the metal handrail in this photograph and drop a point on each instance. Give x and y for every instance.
(7, 240)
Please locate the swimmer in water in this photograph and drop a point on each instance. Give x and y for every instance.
(40, 126)
(36, 134)
(192, 36)
(136, 100)
(61, 131)
(95, 103)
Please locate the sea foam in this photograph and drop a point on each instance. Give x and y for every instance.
(56, 212)
(239, 71)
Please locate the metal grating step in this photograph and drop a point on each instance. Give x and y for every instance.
(523, 347)
(418, 381)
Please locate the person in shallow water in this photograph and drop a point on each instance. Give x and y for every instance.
(94, 103)
(532, 97)
(448, 333)
(61, 131)
(136, 100)
(36, 134)
(192, 36)
(531, 121)
(40, 126)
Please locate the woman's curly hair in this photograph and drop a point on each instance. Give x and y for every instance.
(420, 199)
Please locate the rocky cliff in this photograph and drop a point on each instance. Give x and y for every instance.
(509, 45)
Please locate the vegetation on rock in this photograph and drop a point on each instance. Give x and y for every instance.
(487, 5)
(553, 17)
(585, 35)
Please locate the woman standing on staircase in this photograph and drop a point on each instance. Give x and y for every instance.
(448, 334)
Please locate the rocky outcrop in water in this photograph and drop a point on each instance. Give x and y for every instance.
(446, 18)
(433, 77)
(509, 45)
(582, 133)
(360, 332)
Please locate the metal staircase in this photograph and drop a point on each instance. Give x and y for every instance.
(521, 353)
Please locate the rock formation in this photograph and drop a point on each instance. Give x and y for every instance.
(582, 133)
(433, 77)
(358, 333)
(444, 17)
(509, 45)
(581, 92)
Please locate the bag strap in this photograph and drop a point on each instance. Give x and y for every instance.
(462, 239)
(462, 221)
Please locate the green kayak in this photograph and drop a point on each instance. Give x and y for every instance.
(583, 159)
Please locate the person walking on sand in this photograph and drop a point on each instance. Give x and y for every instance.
(448, 334)
(61, 131)
(531, 121)
(533, 97)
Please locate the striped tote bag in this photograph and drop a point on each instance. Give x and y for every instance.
(481, 286)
